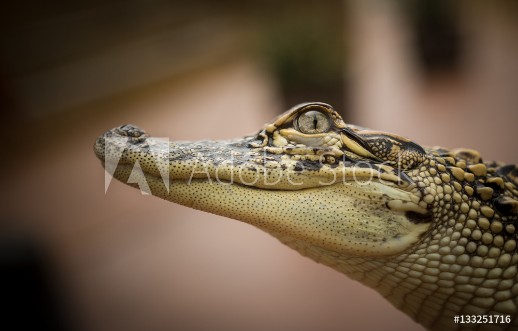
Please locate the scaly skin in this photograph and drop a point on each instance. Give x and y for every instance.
(432, 230)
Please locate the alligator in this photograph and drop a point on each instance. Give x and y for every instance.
(432, 229)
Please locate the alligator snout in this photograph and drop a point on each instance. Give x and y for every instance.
(121, 135)
(128, 130)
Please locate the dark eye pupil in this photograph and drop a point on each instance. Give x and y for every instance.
(315, 122)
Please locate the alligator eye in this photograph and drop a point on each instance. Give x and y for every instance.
(312, 122)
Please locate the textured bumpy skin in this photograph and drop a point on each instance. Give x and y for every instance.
(432, 230)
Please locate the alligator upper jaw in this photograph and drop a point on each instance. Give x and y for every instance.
(231, 161)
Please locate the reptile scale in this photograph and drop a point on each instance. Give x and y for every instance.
(432, 230)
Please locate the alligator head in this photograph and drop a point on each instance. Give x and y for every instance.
(423, 226)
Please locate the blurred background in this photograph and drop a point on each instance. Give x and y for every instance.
(74, 258)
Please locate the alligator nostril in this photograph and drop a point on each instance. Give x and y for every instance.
(130, 130)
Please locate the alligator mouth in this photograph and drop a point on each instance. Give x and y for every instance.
(272, 191)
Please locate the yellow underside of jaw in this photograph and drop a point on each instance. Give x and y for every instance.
(348, 218)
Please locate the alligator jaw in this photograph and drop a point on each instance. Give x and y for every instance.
(231, 179)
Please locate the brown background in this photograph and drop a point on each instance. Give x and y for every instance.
(123, 261)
